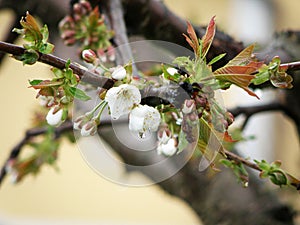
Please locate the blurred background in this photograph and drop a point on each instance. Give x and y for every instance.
(76, 194)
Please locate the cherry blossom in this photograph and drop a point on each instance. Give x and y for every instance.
(144, 118)
(122, 99)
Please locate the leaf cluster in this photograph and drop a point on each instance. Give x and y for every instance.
(36, 38)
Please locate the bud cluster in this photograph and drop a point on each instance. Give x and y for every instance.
(203, 105)
(86, 26)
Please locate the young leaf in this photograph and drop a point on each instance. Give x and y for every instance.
(207, 39)
(79, 94)
(216, 59)
(192, 39)
(35, 82)
(243, 58)
(210, 142)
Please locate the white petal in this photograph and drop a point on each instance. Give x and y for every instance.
(54, 119)
(122, 99)
(172, 71)
(119, 73)
(144, 118)
(167, 149)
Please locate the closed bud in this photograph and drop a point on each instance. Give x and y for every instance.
(86, 5)
(111, 54)
(67, 34)
(70, 41)
(55, 116)
(119, 73)
(79, 122)
(164, 134)
(89, 55)
(89, 129)
(188, 106)
(229, 118)
(102, 56)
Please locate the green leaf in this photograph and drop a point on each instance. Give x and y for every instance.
(46, 48)
(186, 63)
(35, 82)
(45, 33)
(182, 142)
(47, 83)
(79, 94)
(210, 141)
(29, 57)
(168, 76)
(216, 59)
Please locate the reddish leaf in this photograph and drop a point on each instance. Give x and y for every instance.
(207, 39)
(243, 58)
(191, 38)
(236, 70)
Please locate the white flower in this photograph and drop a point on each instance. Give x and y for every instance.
(144, 118)
(167, 149)
(119, 73)
(172, 71)
(88, 129)
(122, 99)
(54, 119)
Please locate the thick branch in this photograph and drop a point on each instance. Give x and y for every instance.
(83, 73)
(152, 19)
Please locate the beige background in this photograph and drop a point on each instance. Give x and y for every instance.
(76, 193)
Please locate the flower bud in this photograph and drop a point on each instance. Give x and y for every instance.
(89, 55)
(86, 5)
(119, 73)
(102, 56)
(111, 54)
(229, 118)
(89, 129)
(70, 41)
(188, 106)
(168, 149)
(79, 122)
(164, 134)
(67, 34)
(54, 116)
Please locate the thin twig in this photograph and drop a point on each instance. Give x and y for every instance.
(83, 73)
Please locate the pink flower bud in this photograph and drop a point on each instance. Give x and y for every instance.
(77, 8)
(70, 41)
(111, 53)
(89, 55)
(102, 56)
(67, 34)
(86, 5)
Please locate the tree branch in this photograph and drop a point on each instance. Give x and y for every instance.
(114, 10)
(249, 111)
(83, 73)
